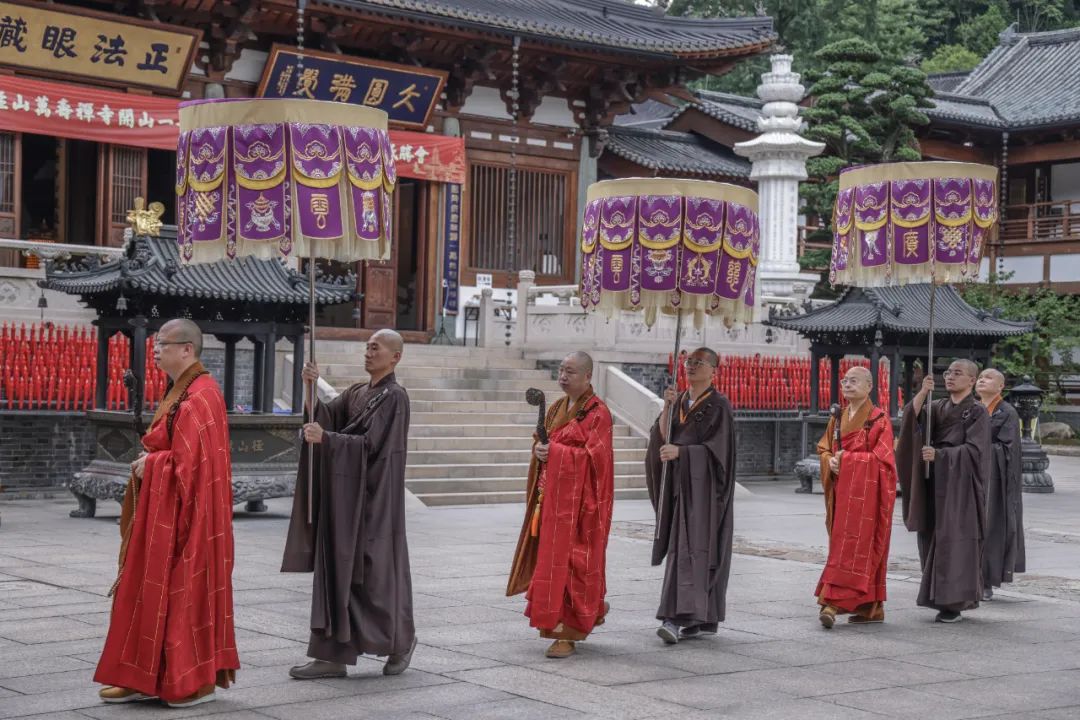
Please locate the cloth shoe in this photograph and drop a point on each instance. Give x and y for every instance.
(116, 695)
(317, 669)
(203, 695)
(987, 594)
(864, 620)
(827, 616)
(397, 664)
(561, 649)
(948, 616)
(668, 632)
(690, 632)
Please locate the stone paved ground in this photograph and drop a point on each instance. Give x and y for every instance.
(1017, 657)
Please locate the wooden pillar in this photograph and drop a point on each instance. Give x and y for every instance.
(894, 382)
(230, 373)
(138, 363)
(834, 378)
(815, 380)
(297, 378)
(269, 361)
(908, 377)
(257, 377)
(102, 368)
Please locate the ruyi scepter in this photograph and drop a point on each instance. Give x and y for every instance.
(536, 398)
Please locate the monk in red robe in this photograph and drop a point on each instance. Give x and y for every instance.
(858, 473)
(560, 559)
(171, 630)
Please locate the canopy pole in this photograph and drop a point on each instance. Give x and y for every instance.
(314, 386)
(670, 424)
(930, 369)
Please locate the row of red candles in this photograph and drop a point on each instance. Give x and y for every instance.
(757, 382)
(49, 367)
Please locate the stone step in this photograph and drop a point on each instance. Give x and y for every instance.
(519, 454)
(517, 496)
(425, 486)
(475, 418)
(483, 444)
(475, 384)
(462, 406)
(468, 395)
(412, 373)
(461, 430)
(410, 360)
(326, 348)
(471, 471)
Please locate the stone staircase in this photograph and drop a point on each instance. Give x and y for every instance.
(470, 435)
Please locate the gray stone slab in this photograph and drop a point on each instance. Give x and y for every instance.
(908, 703)
(429, 658)
(565, 692)
(701, 658)
(710, 692)
(1014, 693)
(234, 699)
(50, 681)
(516, 709)
(14, 612)
(432, 699)
(600, 670)
(48, 703)
(795, 653)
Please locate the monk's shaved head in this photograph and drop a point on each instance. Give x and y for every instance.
(391, 339)
(182, 330)
(583, 360)
(707, 354)
(860, 372)
(968, 366)
(990, 385)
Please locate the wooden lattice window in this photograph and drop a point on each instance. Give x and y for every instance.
(128, 170)
(7, 173)
(544, 219)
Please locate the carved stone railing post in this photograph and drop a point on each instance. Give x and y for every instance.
(485, 327)
(526, 280)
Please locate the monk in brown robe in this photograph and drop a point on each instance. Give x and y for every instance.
(858, 475)
(1003, 548)
(361, 600)
(560, 560)
(171, 630)
(947, 509)
(694, 506)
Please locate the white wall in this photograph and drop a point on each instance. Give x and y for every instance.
(1065, 268)
(1024, 269)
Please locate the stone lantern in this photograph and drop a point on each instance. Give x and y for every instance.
(1028, 398)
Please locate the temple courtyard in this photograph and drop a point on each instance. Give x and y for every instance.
(1016, 657)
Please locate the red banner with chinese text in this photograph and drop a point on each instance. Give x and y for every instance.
(88, 113)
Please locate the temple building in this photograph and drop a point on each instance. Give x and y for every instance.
(491, 102)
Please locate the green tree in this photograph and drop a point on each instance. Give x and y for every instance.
(950, 58)
(1050, 352)
(980, 33)
(865, 110)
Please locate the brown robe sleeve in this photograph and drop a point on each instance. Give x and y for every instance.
(916, 492)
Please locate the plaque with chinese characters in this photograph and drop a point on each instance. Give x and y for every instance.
(406, 94)
(107, 48)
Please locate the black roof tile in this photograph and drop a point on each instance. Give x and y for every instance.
(151, 265)
(667, 151)
(902, 309)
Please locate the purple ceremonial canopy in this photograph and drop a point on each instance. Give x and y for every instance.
(275, 178)
(905, 223)
(666, 244)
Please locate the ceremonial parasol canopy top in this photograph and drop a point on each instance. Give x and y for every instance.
(283, 177)
(902, 223)
(671, 245)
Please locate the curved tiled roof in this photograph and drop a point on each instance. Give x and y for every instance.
(598, 23)
(648, 114)
(945, 82)
(737, 110)
(151, 265)
(1029, 80)
(902, 309)
(667, 151)
(976, 111)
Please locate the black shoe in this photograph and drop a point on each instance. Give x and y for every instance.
(397, 664)
(988, 594)
(689, 632)
(668, 632)
(948, 616)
